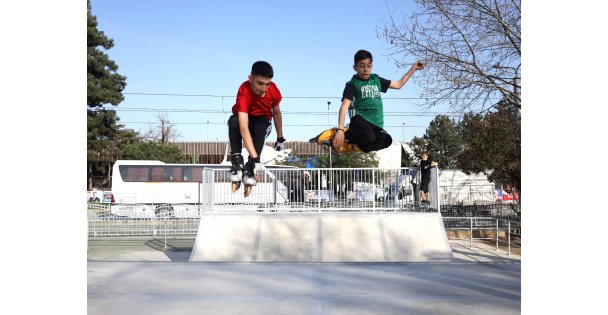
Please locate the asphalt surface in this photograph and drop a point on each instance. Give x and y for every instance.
(151, 276)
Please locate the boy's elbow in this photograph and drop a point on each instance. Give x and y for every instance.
(397, 86)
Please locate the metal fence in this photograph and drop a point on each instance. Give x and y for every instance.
(102, 223)
(501, 210)
(321, 189)
(298, 190)
(277, 190)
(499, 231)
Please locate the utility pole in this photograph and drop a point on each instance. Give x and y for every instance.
(329, 126)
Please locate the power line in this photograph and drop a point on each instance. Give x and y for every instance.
(207, 111)
(304, 97)
(223, 123)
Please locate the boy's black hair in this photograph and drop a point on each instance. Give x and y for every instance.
(363, 54)
(262, 68)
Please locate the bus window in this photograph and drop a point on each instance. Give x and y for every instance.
(157, 174)
(133, 173)
(193, 173)
(166, 174)
(173, 173)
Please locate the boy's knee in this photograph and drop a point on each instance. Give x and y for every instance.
(387, 140)
(233, 121)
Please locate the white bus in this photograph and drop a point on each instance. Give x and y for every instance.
(148, 188)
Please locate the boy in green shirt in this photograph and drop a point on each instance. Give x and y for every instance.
(363, 91)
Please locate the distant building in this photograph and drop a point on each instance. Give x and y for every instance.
(214, 152)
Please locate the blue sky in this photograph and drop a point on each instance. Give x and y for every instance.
(207, 48)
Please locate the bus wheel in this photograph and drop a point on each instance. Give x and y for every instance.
(164, 211)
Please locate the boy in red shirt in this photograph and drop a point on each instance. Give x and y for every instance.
(257, 103)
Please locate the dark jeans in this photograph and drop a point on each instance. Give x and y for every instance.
(367, 136)
(259, 127)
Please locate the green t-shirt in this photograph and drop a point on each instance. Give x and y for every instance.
(367, 101)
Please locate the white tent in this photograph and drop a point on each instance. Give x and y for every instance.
(407, 148)
(390, 157)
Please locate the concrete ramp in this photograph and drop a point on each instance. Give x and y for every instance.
(321, 237)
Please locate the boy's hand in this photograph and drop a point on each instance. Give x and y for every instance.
(419, 65)
(250, 165)
(278, 146)
(338, 139)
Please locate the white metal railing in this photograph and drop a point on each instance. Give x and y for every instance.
(320, 189)
(281, 189)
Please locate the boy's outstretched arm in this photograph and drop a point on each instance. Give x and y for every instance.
(419, 65)
(278, 120)
(246, 135)
(339, 138)
(278, 125)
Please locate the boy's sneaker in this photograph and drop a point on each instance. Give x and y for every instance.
(248, 179)
(236, 171)
(249, 170)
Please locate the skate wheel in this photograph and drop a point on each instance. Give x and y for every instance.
(248, 190)
(236, 186)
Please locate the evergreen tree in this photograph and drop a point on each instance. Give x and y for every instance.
(418, 145)
(358, 159)
(407, 159)
(443, 141)
(149, 150)
(104, 84)
(105, 140)
(105, 137)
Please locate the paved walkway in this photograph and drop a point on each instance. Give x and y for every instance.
(144, 277)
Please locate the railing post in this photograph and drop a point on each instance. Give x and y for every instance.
(165, 247)
(496, 234)
(94, 221)
(275, 188)
(374, 190)
(509, 239)
(319, 190)
(471, 232)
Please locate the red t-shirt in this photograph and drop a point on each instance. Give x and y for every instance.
(248, 102)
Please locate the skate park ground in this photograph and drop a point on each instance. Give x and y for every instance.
(144, 275)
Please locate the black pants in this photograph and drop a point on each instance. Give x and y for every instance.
(424, 185)
(367, 136)
(259, 128)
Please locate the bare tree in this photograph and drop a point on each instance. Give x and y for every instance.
(164, 132)
(472, 49)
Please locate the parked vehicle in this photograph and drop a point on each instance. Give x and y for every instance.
(147, 188)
